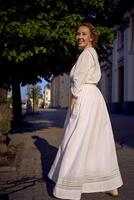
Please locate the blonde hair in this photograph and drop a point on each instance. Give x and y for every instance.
(92, 30)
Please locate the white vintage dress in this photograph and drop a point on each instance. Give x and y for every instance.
(86, 160)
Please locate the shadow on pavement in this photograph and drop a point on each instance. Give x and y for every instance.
(40, 120)
(17, 185)
(4, 197)
(48, 153)
(123, 128)
(125, 139)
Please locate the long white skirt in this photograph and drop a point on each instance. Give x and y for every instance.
(86, 160)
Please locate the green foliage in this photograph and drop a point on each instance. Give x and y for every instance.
(39, 36)
(105, 39)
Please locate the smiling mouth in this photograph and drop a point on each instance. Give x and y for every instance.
(80, 42)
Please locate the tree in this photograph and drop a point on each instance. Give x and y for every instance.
(34, 93)
(37, 38)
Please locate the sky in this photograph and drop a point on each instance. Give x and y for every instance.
(24, 89)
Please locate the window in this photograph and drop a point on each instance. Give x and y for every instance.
(121, 83)
(120, 38)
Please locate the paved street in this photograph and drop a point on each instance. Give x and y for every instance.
(37, 144)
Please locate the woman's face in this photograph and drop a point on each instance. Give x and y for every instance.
(83, 37)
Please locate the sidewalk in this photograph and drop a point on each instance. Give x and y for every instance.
(38, 145)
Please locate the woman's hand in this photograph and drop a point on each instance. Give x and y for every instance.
(73, 102)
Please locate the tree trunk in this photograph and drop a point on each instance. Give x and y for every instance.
(5, 124)
(3, 95)
(4, 111)
(16, 96)
(5, 114)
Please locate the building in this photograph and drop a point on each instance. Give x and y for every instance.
(41, 102)
(47, 96)
(117, 83)
(60, 91)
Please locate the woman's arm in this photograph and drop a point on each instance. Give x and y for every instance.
(82, 68)
(73, 101)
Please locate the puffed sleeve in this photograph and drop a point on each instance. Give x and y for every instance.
(81, 71)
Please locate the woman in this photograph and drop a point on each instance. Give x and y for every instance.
(86, 161)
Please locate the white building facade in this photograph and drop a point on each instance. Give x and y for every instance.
(117, 83)
(60, 91)
(47, 96)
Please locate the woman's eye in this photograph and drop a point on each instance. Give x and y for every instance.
(82, 34)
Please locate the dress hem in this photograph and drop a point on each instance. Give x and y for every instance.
(75, 194)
